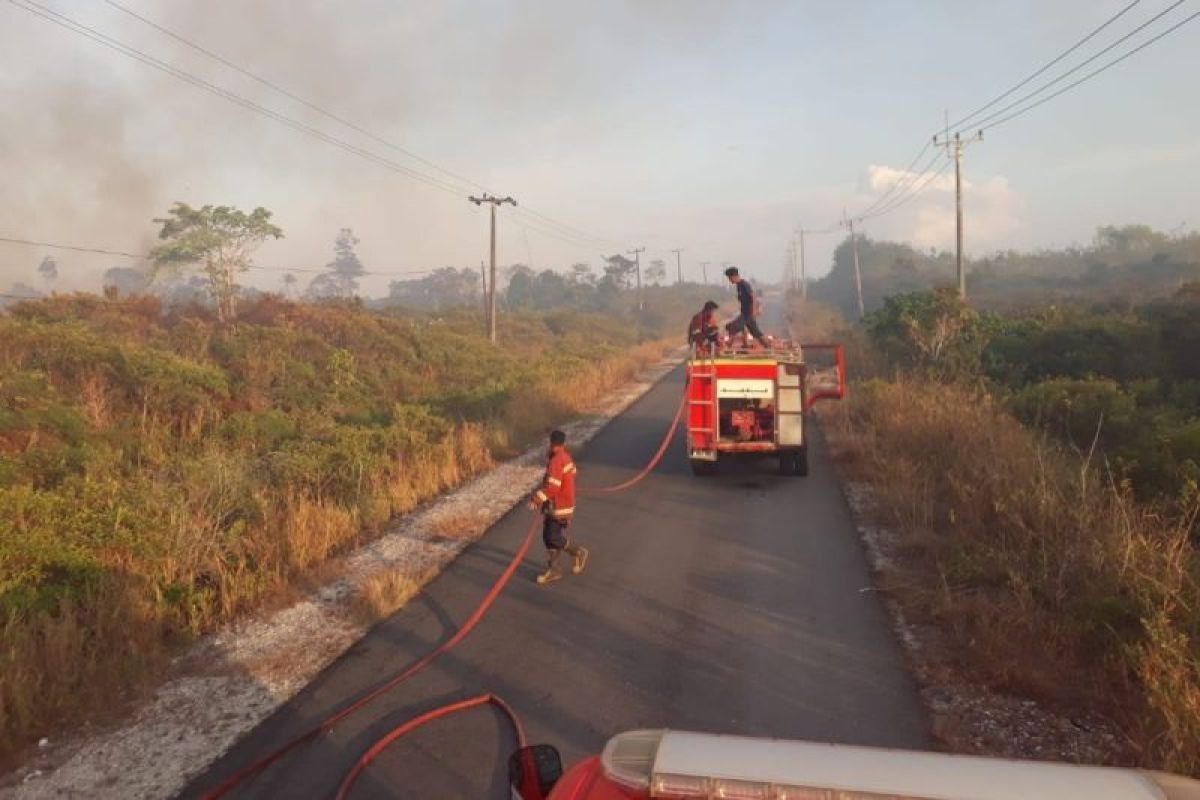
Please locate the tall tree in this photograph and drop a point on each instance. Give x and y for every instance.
(289, 285)
(125, 280)
(344, 270)
(219, 241)
(619, 270)
(582, 273)
(656, 271)
(48, 269)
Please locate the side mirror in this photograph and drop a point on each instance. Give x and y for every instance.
(533, 771)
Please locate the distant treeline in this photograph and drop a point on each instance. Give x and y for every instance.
(1125, 265)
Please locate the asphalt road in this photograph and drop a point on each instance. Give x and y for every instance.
(733, 604)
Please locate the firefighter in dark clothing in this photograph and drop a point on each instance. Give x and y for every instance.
(748, 303)
(703, 330)
(555, 498)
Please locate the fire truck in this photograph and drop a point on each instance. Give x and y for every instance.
(648, 764)
(754, 401)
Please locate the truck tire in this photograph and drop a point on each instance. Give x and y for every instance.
(800, 464)
(702, 467)
(787, 463)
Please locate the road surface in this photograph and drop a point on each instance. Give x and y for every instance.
(733, 604)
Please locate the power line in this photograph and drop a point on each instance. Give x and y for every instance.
(564, 227)
(929, 178)
(74, 26)
(908, 181)
(983, 123)
(1094, 73)
(147, 256)
(1047, 66)
(896, 185)
(73, 247)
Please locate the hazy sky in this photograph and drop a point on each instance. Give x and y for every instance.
(712, 126)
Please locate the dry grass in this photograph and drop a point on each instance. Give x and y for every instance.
(386, 592)
(67, 663)
(1046, 577)
(1043, 575)
(461, 527)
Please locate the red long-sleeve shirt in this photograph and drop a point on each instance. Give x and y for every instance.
(558, 485)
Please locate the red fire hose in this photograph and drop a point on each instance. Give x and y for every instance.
(241, 775)
(416, 722)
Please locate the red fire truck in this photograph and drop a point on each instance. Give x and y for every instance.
(755, 401)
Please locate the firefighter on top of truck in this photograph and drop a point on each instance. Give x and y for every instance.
(703, 330)
(747, 320)
(555, 498)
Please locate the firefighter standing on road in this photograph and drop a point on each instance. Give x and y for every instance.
(703, 330)
(556, 500)
(748, 303)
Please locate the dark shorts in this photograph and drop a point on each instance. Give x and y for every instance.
(554, 533)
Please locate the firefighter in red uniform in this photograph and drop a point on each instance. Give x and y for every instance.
(555, 498)
(703, 331)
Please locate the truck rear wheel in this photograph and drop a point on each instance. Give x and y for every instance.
(800, 465)
(702, 467)
(794, 462)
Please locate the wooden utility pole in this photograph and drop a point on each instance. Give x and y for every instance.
(957, 144)
(803, 274)
(678, 266)
(637, 260)
(491, 287)
(483, 291)
(704, 272)
(849, 222)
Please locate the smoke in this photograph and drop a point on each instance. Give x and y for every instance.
(529, 99)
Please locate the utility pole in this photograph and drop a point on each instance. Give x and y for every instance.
(790, 277)
(483, 284)
(849, 222)
(957, 144)
(678, 267)
(803, 274)
(637, 260)
(491, 312)
(704, 272)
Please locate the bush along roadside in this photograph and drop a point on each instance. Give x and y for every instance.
(1050, 566)
(161, 473)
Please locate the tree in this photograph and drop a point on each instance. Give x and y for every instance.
(656, 272)
(582, 273)
(619, 270)
(289, 285)
(219, 240)
(345, 270)
(125, 280)
(930, 330)
(48, 269)
(443, 288)
(519, 293)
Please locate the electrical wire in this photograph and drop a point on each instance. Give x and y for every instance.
(896, 185)
(1048, 65)
(467, 182)
(983, 123)
(81, 29)
(909, 180)
(1092, 74)
(929, 178)
(256, 267)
